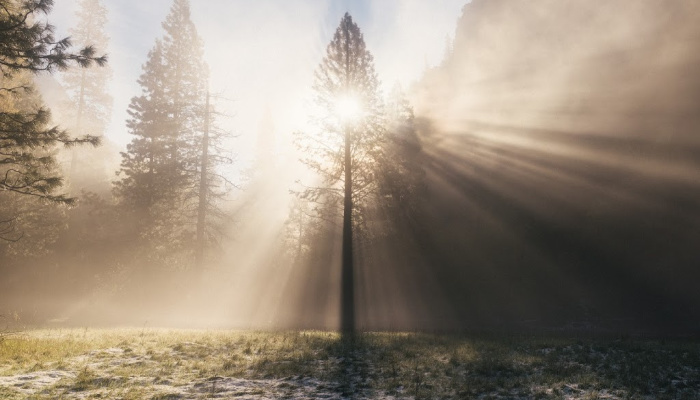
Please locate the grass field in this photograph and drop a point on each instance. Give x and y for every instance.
(164, 364)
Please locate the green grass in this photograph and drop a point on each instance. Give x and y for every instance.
(163, 364)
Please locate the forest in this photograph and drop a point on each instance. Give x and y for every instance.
(551, 185)
(541, 176)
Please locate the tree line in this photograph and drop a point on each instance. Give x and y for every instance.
(165, 211)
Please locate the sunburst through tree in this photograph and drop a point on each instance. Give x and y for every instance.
(345, 145)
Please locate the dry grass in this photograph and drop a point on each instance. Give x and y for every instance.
(167, 364)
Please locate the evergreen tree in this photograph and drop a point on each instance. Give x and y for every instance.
(27, 142)
(345, 78)
(27, 166)
(87, 87)
(146, 168)
(170, 176)
(212, 185)
(346, 146)
(400, 174)
(28, 43)
(90, 100)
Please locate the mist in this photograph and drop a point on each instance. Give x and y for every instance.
(559, 158)
(563, 154)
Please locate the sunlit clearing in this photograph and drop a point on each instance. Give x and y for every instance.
(348, 108)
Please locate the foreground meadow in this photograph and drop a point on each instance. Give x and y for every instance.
(167, 364)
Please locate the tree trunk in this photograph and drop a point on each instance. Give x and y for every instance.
(202, 208)
(347, 315)
(348, 284)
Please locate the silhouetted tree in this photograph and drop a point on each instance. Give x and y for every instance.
(344, 149)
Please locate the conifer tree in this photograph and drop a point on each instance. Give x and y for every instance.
(146, 168)
(345, 79)
(89, 96)
(28, 167)
(27, 42)
(346, 146)
(400, 173)
(27, 141)
(169, 173)
(212, 185)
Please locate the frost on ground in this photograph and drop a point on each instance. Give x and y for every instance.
(38, 384)
(34, 382)
(48, 384)
(153, 364)
(96, 375)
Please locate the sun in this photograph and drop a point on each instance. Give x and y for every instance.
(348, 108)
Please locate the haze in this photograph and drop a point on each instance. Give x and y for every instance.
(550, 172)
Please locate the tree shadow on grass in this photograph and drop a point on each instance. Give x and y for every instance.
(426, 366)
(352, 367)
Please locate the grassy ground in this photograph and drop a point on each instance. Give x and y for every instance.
(160, 364)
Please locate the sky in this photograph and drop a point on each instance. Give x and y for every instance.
(262, 53)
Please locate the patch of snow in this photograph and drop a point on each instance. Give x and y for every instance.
(34, 382)
(112, 351)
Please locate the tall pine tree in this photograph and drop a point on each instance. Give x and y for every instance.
(170, 174)
(346, 145)
(159, 168)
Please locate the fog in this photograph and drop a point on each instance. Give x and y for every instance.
(567, 134)
(559, 146)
